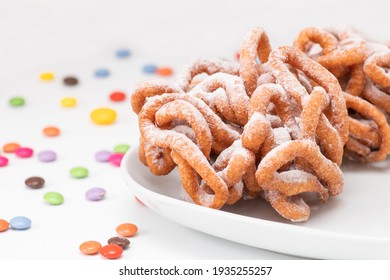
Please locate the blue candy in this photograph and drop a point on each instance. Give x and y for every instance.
(102, 72)
(122, 53)
(150, 68)
(20, 223)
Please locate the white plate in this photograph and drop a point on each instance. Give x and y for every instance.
(353, 225)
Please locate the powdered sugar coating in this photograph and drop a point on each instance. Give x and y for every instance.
(316, 72)
(374, 67)
(209, 66)
(281, 135)
(225, 94)
(255, 45)
(148, 89)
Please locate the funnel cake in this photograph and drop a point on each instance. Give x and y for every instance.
(360, 67)
(376, 91)
(272, 126)
(255, 46)
(208, 184)
(296, 165)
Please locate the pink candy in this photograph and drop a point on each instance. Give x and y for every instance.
(3, 161)
(116, 159)
(24, 152)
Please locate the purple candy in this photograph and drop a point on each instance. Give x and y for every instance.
(47, 156)
(103, 156)
(95, 194)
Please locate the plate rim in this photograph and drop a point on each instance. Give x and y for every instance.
(272, 225)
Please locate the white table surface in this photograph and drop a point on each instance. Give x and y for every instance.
(77, 37)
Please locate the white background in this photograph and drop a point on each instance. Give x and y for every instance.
(75, 38)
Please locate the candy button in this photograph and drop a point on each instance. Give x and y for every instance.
(111, 251)
(68, 102)
(121, 148)
(17, 101)
(102, 72)
(103, 156)
(149, 69)
(20, 223)
(10, 147)
(95, 194)
(3, 161)
(121, 241)
(126, 229)
(24, 152)
(4, 225)
(90, 247)
(79, 172)
(164, 71)
(47, 76)
(117, 96)
(70, 81)
(47, 156)
(103, 116)
(122, 53)
(116, 159)
(51, 131)
(53, 198)
(35, 182)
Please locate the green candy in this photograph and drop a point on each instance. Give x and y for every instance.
(79, 172)
(121, 148)
(17, 101)
(53, 198)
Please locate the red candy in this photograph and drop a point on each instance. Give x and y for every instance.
(24, 152)
(116, 159)
(111, 251)
(117, 96)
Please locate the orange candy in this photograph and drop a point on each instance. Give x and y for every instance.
(51, 131)
(164, 71)
(4, 225)
(90, 247)
(111, 251)
(127, 229)
(10, 147)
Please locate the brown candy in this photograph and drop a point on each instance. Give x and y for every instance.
(71, 81)
(34, 182)
(121, 241)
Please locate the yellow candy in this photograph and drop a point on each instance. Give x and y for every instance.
(47, 76)
(103, 116)
(68, 102)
